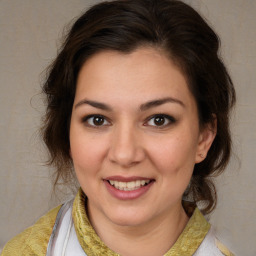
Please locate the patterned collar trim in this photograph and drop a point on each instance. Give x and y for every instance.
(187, 243)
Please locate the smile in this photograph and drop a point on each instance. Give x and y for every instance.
(128, 186)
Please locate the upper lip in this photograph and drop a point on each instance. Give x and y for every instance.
(126, 179)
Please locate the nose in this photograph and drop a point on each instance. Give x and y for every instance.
(126, 147)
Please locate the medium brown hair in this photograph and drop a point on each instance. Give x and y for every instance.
(125, 25)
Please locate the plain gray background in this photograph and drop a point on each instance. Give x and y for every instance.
(30, 34)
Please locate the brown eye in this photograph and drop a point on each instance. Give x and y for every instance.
(160, 120)
(96, 121)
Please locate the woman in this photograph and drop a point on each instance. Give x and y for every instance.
(138, 102)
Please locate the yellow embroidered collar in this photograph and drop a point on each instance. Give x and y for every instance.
(187, 243)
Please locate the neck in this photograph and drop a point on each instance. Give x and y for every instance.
(154, 237)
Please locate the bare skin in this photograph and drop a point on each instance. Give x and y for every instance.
(135, 121)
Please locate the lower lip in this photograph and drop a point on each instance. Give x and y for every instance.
(127, 195)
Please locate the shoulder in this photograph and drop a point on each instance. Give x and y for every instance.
(33, 240)
(212, 246)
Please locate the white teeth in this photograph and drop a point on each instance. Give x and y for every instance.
(128, 186)
(131, 185)
(137, 183)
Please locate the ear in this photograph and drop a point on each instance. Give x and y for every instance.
(206, 138)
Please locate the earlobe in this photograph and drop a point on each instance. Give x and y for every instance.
(206, 138)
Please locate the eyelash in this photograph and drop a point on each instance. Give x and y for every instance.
(86, 120)
(168, 120)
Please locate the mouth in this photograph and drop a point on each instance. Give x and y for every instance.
(129, 186)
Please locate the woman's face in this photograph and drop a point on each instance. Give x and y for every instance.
(134, 136)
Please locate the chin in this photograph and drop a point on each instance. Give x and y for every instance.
(128, 222)
(129, 218)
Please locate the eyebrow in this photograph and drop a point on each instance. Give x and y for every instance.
(143, 107)
(94, 104)
(158, 102)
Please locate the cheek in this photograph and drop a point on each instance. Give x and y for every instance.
(174, 153)
(87, 153)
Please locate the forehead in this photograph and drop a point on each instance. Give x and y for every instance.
(143, 73)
